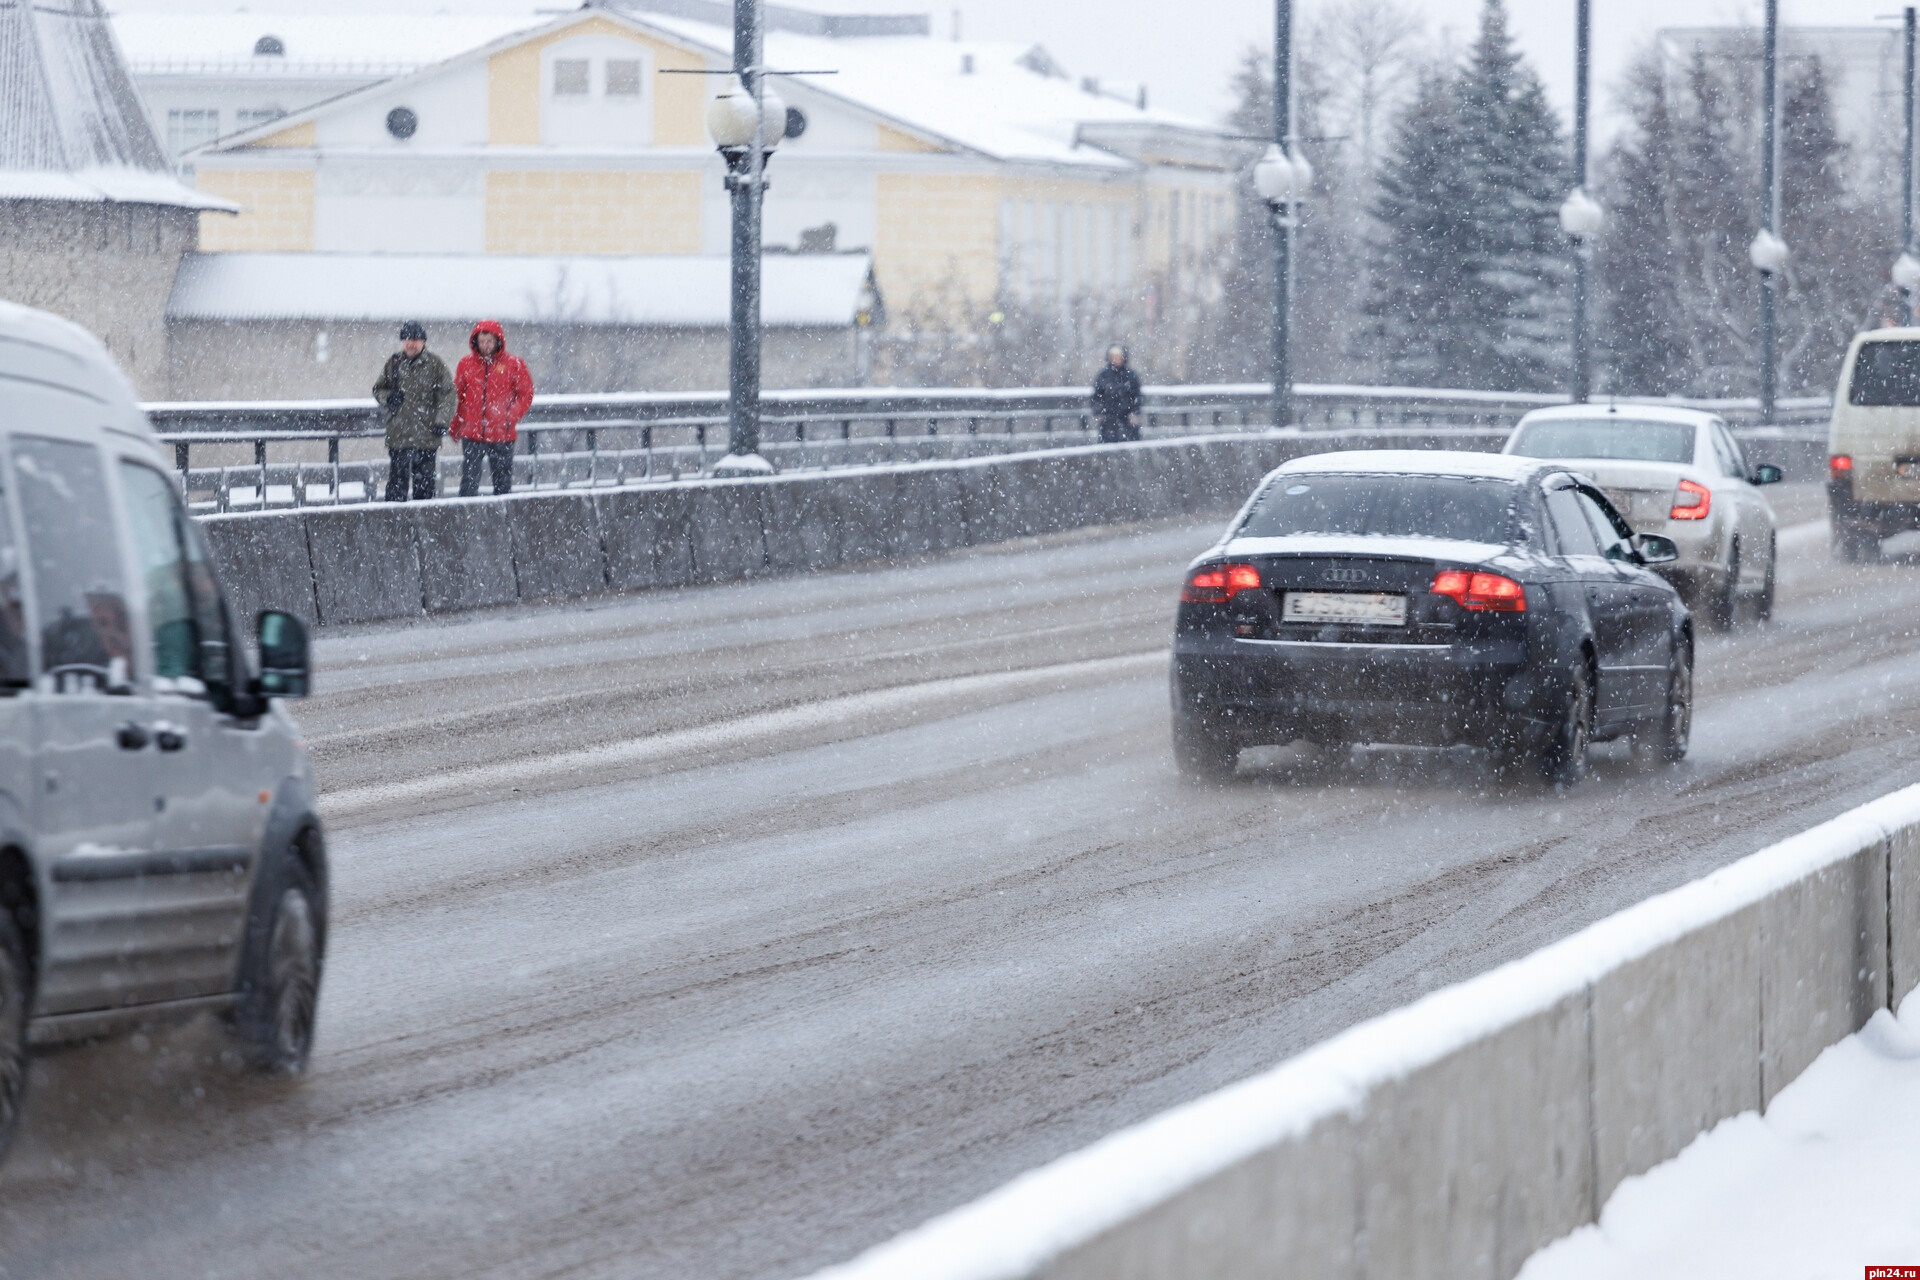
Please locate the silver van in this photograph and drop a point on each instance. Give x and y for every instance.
(160, 849)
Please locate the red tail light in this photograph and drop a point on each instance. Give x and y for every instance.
(1692, 502)
(1481, 592)
(1839, 465)
(1219, 583)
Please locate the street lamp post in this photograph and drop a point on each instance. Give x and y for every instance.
(1277, 177)
(1580, 217)
(1906, 268)
(746, 123)
(1768, 252)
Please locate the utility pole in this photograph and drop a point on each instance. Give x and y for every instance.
(1283, 229)
(1770, 204)
(748, 188)
(1582, 357)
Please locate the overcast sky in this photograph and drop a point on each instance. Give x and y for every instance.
(1185, 50)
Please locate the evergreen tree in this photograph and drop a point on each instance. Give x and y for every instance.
(1470, 266)
(1682, 188)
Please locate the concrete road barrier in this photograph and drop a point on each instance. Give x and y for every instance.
(1456, 1136)
(556, 545)
(647, 536)
(264, 563)
(366, 564)
(466, 555)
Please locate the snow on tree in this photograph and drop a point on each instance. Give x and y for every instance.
(1470, 268)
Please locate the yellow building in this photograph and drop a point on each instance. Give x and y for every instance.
(965, 178)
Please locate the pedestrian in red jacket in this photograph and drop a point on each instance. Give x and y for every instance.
(495, 390)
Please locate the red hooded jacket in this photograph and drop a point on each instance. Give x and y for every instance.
(494, 393)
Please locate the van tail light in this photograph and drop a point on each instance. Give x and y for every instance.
(1481, 592)
(1219, 583)
(1691, 502)
(1840, 466)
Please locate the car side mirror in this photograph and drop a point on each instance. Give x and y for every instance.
(1655, 548)
(1765, 473)
(284, 661)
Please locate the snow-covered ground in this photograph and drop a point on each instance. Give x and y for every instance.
(1825, 1184)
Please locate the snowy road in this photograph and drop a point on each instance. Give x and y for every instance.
(722, 933)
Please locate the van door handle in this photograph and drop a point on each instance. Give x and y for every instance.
(131, 737)
(168, 737)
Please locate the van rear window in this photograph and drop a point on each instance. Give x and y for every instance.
(1886, 374)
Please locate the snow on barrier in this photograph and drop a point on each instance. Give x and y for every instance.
(1455, 1136)
(369, 562)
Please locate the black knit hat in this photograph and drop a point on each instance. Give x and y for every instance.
(413, 329)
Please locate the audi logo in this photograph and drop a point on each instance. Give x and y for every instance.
(1347, 575)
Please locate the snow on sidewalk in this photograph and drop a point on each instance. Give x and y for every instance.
(1823, 1185)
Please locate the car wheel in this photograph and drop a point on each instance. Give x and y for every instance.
(13, 1026)
(1763, 608)
(1664, 741)
(1203, 752)
(1563, 762)
(1723, 608)
(280, 978)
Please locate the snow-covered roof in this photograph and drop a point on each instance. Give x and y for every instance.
(314, 45)
(797, 290)
(71, 125)
(981, 97)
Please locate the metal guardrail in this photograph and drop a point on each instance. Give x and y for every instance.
(570, 441)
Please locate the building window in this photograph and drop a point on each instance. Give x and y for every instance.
(189, 129)
(262, 115)
(569, 77)
(623, 77)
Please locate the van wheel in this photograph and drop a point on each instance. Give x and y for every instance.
(13, 1026)
(280, 977)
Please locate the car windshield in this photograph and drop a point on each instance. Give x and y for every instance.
(1384, 506)
(1621, 439)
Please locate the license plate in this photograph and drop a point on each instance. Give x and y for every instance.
(1365, 608)
(1622, 502)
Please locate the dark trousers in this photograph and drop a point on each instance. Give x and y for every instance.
(411, 470)
(499, 457)
(1117, 431)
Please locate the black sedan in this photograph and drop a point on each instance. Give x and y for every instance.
(1431, 599)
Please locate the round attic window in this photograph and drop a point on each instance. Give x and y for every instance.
(401, 122)
(796, 122)
(269, 47)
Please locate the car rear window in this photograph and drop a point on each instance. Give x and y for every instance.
(1385, 506)
(1886, 374)
(1620, 439)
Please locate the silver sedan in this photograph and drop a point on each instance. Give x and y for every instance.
(1680, 473)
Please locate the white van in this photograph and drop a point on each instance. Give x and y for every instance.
(160, 850)
(1873, 444)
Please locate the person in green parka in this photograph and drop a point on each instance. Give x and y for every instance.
(417, 392)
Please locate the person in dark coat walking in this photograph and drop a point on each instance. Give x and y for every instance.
(495, 392)
(1116, 398)
(416, 390)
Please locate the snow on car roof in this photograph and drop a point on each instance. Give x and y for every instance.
(1419, 462)
(1622, 412)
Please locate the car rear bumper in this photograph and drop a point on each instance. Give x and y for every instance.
(1417, 694)
(1885, 518)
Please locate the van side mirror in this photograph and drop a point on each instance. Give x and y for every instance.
(1655, 548)
(284, 661)
(1765, 473)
